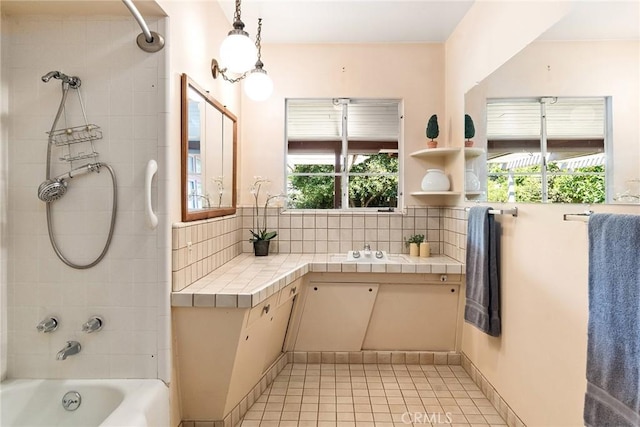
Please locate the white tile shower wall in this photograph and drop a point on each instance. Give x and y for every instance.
(322, 231)
(200, 247)
(124, 91)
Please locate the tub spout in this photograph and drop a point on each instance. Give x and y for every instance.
(72, 347)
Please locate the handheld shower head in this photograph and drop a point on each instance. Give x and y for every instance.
(52, 189)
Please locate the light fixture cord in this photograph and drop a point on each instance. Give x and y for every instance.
(259, 63)
(237, 22)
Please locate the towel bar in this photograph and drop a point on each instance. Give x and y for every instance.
(584, 217)
(512, 211)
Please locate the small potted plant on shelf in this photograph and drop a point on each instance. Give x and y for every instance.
(413, 243)
(432, 131)
(469, 130)
(260, 237)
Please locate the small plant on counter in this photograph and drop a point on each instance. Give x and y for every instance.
(416, 238)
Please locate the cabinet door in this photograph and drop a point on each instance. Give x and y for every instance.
(414, 317)
(335, 316)
(278, 323)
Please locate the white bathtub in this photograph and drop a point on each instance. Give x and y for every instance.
(113, 403)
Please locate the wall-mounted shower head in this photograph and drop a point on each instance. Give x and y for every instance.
(50, 74)
(72, 81)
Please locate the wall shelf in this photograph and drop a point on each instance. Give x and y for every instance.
(435, 152)
(470, 152)
(435, 193)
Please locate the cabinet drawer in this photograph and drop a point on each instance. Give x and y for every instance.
(262, 309)
(290, 291)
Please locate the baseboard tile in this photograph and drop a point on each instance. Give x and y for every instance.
(505, 411)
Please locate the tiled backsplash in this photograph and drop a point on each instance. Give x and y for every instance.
(202, 246)
(323, 231)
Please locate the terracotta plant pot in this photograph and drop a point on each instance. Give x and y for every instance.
(261, 247)
(468, 143)
(432, 144)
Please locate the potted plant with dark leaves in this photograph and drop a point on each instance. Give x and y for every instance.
(469, 130)
(432, 131)
(413, 243)
(260, 236)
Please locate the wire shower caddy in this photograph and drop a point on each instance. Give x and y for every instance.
(68, 139)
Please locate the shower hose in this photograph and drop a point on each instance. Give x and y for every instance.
(74, 82)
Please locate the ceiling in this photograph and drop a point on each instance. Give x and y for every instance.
(401, 21)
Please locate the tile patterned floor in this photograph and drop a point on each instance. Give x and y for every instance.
(369, 395)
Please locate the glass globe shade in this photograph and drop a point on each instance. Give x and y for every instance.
(237, 52)
(258, 85)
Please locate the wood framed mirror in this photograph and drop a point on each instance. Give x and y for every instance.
(209, 150)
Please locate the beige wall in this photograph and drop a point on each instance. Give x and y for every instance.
(412, 72)
(196, 29)
(4, 171)
(538, 364)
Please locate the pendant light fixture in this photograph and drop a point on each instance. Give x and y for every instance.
(237, 51)
(258, 85)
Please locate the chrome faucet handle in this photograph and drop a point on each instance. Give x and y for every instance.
(93, 325)
(49, 324)
(356, 254)
(379, 254)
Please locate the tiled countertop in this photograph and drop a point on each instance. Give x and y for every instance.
(247, 280)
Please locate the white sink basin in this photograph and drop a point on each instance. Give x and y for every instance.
(369, 257)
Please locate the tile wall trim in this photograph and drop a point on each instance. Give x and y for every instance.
(505, 411)
(375, 357)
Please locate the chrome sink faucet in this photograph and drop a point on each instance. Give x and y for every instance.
(367, 247)
(72, 347)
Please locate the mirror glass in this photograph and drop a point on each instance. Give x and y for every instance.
(209, 135)
(558, 123)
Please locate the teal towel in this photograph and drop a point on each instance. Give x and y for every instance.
(482, 307)
(613, 346)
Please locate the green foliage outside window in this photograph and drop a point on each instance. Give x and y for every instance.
(585, 185)
(375, 190)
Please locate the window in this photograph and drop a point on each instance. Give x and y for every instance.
(342, 153)
(547, 150)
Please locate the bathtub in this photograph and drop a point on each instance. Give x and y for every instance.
(112, 403)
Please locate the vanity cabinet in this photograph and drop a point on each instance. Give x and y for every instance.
(335, 316)
(222, 353)
(413, 317)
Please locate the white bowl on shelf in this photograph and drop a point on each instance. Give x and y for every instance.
(435, 180)
(471, 181)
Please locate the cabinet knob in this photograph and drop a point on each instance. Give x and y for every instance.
(267, 308)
